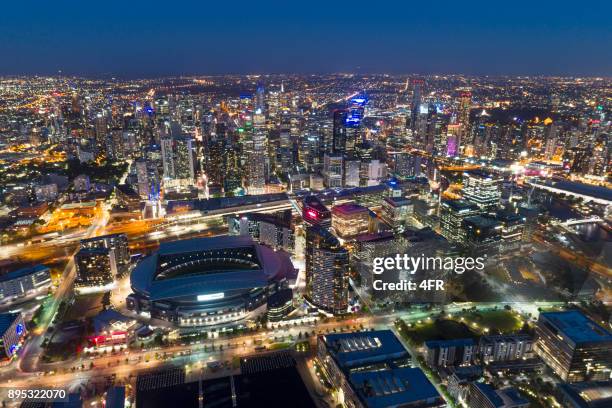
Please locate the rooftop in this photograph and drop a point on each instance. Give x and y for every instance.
(481, 174)
(589, 394)
(6, 319)
(314, 202)
(273, 388)
(201, 244)
(397, 201)
(23, 272)
(577, 327)
(460, 205)
(220, 203)
(393, 387)
(449, 343)
(482, 221)
(581, 188)
(219, 272)
(349, 209)
(352, 349)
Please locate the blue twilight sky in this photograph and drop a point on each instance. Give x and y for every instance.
(148, 38)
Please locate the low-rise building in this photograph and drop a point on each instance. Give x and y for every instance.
(505, 348)
(280, 304)
(372, 369)
(483, 395)
(458, 352)
(350, 220)
(395, 212)
(24, 282)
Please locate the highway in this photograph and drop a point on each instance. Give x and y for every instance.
(31, 352)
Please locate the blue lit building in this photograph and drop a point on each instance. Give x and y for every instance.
(371, 369)
(12, 332)
(400, 387)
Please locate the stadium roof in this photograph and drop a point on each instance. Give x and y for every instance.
(275, 265)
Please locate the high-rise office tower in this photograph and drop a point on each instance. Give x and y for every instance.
(215, 160)
(482, 234)
(101, 128)
(333, 170)
(256, 163)
(339, 131)
(463, 117)
(260, 103)
(352, 123)
(147, 179)
(452, 214)
(285, 153)
(434, 131)
(326, 271)
(115, 144)
(482, 189)
(407, 165)
(574, 346)
(178, 160)
(417, 89)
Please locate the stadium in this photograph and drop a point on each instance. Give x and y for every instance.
(219, 281)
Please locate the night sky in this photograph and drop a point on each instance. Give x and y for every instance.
(154, 38)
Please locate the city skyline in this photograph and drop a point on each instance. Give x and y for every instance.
(306, 204)
(153, 40)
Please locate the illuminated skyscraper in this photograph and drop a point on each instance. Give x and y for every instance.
(333, 170)
(482, 189)
(339, 131)
(452, 214)
(214, 167)
(326, 271)
(260, 103)
(465, 102)
(256, 163)
(178, 160)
